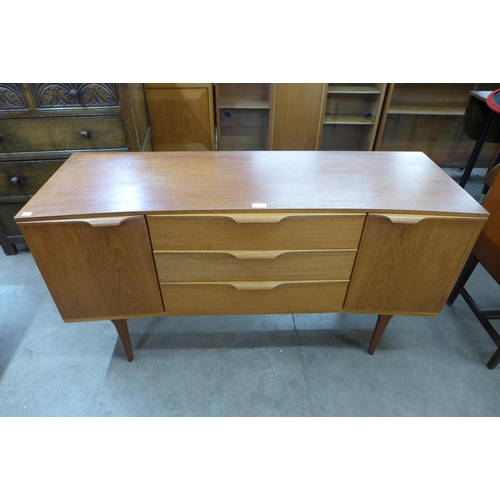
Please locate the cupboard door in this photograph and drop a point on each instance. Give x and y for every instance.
(96, 268)
(297, 116)
(180, 118)
(408, 265)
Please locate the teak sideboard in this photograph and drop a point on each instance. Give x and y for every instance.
(198, 233)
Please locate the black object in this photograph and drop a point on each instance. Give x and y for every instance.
(493, 108)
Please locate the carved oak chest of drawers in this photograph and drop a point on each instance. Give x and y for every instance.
(42, 124)
(250, 233)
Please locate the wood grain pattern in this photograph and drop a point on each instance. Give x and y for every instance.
(226, 298)
(226, 266)
(96, 272)
(294, 232)
(180, 118)
(297, 115)
(409, 268)
(163, 182)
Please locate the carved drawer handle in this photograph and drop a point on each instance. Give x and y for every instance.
(94, 221)
(257, 218)
(256, 285)
(256, 254)
(85, 134)
(402, 219)
(108, 221)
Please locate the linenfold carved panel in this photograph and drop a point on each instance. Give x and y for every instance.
(50, 95)
(12, 97)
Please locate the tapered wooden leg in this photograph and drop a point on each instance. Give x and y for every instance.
(122, 329)
(382, 321)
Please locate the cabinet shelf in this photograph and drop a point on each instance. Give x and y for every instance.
(243, 103)
(427, 110)
(347, 120)
(356, 89)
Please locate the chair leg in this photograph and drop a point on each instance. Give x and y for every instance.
(469, 267)
(495, 359)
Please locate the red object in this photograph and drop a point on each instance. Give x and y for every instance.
(493, 101)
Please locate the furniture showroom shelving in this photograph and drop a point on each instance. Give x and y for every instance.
(351, 117)
(429, 117)
(298, 116)
(243, 115)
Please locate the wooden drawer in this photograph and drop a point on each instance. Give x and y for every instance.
(7, 213)
(253, 298)
(255, 231)
(25, 177)
(62, 133)
(255, 265)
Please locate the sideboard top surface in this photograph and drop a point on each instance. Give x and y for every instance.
(158, 182)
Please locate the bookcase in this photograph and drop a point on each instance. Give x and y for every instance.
(243, 116)
(429, 117)
(351, 116)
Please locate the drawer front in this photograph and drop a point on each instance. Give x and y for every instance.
(25, 177)
(7, 213)
(61, 133)
(255, 265)
(239, 298)
(255, 232)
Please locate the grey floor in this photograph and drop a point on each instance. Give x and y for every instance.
(275, 365)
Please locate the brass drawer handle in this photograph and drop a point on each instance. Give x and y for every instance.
(85, 134)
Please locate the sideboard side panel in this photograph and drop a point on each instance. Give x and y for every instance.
(409, 268)
(96, 272)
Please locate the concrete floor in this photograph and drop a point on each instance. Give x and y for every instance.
(274, 365)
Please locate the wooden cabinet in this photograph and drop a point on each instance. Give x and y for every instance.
(351, 116)
(42, 124)
(429, 117)
(258, 232)
(182, 116)
(299, 116)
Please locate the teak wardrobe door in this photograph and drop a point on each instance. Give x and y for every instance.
(409, 264)
(99, 268)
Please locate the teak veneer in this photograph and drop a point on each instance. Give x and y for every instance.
(186, 233)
